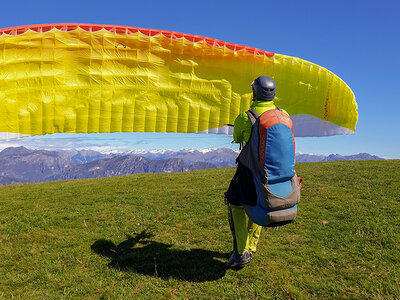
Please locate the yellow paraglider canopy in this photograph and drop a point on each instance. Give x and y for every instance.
(81, 78)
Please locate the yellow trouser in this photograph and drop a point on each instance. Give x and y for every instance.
(247, 232)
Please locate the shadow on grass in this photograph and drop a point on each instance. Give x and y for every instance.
(140, 255)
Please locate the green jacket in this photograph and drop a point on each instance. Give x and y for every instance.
(242, 125)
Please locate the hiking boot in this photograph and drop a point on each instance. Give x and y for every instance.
(237, 261)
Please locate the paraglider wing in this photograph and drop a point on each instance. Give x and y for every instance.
(81, 78)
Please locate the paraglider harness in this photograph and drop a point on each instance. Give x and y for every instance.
(265, 182)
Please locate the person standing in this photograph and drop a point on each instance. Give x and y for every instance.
(245, 232)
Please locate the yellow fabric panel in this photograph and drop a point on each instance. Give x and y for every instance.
(81, 81)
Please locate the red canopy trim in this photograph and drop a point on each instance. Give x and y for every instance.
(131, 30)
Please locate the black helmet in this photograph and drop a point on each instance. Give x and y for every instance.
(264, 88)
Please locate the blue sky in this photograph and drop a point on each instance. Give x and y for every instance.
(357, 40)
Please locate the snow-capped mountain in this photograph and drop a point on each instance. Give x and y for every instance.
(22, 165)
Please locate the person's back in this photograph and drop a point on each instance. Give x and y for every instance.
(245, 232)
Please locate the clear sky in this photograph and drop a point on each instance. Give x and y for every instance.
(357, 40)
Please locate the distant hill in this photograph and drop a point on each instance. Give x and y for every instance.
(222, 157)
(22, 165)
(10, 180)
(84, 156)
(334, 157)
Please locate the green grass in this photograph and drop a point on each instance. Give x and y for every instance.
(155, 236)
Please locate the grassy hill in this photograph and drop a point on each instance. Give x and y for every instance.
(157, 236)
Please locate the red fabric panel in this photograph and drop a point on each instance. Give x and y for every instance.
(131, 30)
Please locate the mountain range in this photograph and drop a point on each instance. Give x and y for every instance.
(22, 165)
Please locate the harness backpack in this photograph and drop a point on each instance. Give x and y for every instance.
(265, 182)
